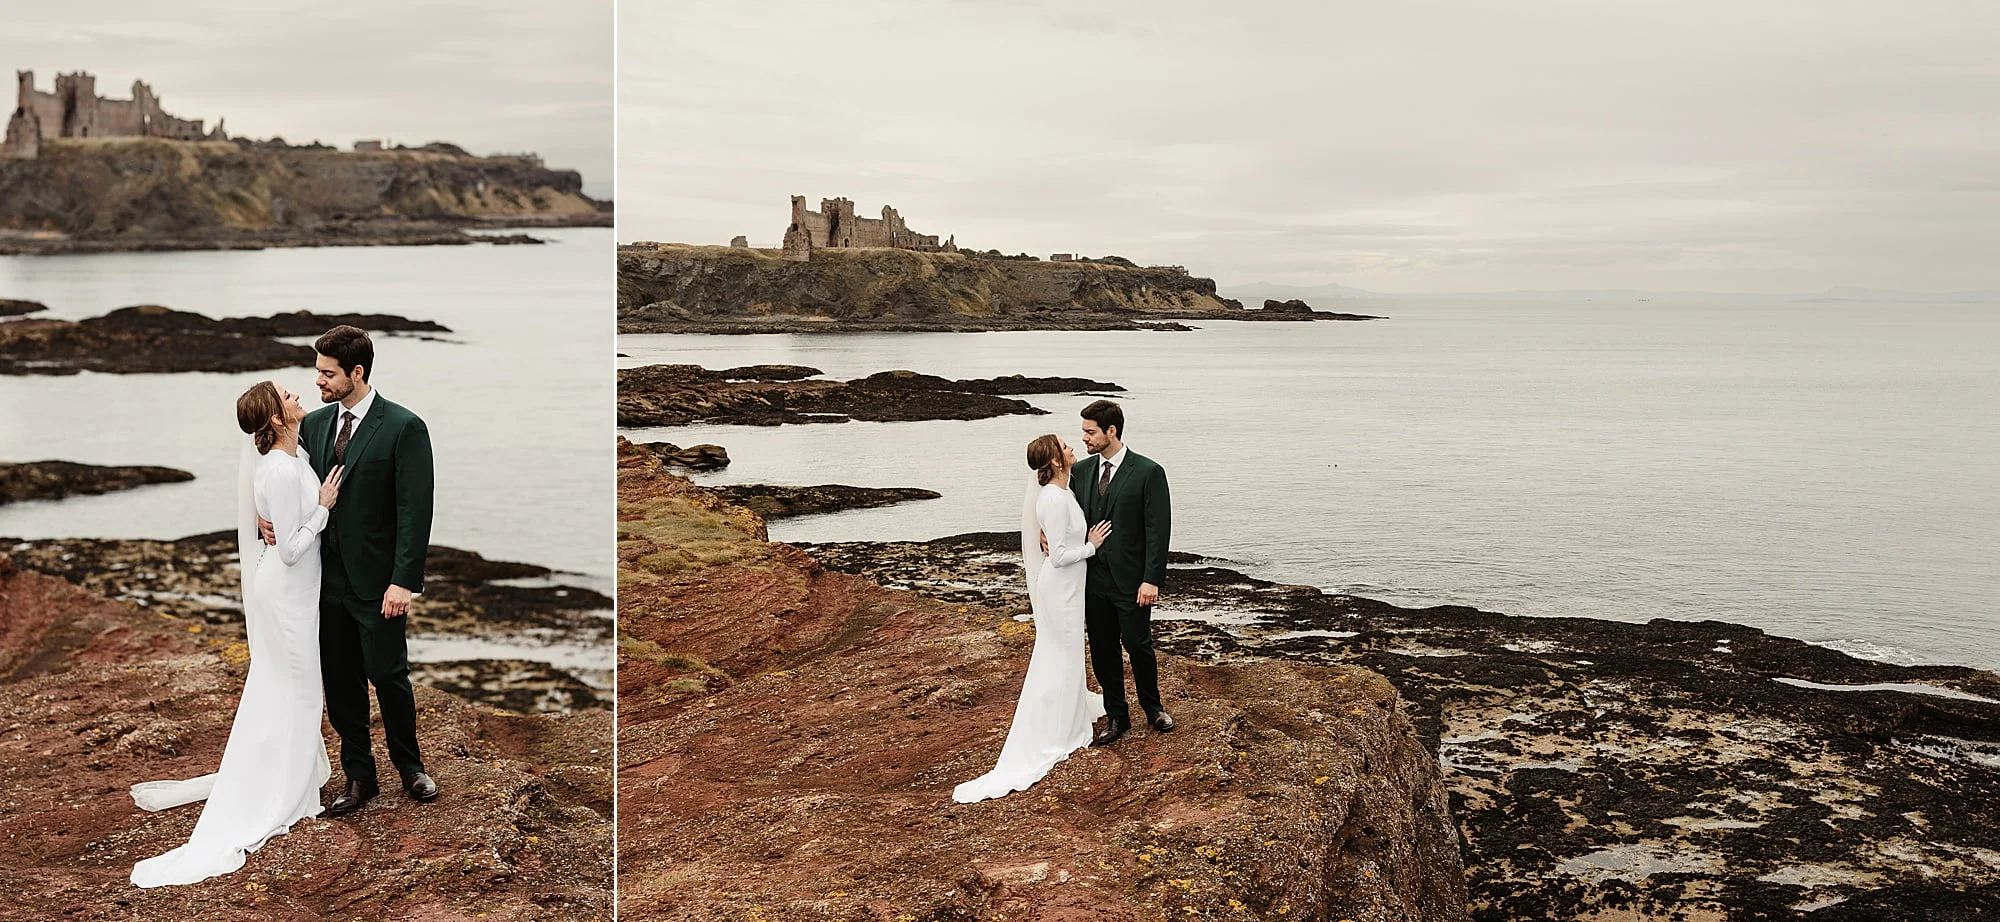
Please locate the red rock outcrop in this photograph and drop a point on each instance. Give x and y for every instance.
(789, 739)
(97, 694)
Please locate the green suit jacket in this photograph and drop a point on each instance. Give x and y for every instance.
(381, 527)
(1141, 517)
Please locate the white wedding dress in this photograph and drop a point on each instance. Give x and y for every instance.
(275, 761)
(1057, 707)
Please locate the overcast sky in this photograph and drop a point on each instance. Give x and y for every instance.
(1407, 146)
(490, 77)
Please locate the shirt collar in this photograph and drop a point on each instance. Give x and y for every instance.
(1117, 459)
(360, 410)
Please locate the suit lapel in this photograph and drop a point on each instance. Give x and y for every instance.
(1118, 481)
(1088, 468)
(373, 421)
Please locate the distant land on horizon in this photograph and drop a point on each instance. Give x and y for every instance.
(1256, 292)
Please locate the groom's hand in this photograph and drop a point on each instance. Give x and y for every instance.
(1045, 542)
(1148, 594)
(395, 602)
(267, 531)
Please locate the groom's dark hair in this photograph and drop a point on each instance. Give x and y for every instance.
(1107, 416)
(350, 346)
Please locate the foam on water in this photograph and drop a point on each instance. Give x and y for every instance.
(1914, 688)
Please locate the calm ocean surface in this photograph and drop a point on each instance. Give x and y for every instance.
(517, 397)
(1823, 471)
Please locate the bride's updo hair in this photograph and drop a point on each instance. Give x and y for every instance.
(254, 411)
(1045, 457)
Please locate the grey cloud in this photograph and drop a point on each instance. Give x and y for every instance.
(490, 77)
(1441, 146)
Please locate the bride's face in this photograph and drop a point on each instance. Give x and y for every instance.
(293, 413)
(1069, 456)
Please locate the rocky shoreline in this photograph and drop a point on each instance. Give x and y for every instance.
(660, 320)
(359, 234)
(771, 395)
(769, 501)
(151, 339)
(789, 738)
(678, 288)
(1688, 770)
(48, 480)
(703, 457)
(97, 694)
(468, 602)
(1693, 770)
(772, 501)
(113, 195)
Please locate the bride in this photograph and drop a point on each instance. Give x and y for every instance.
(1057, 708)
(275, 761)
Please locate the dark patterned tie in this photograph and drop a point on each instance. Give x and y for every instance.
(340, 441)
(1104, 482)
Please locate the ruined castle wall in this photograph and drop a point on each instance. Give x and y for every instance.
(119, 118)
(816, 225)
(839, 222)
(836, 225)
(48, 110)
(24, 136)
(871, 232)
(161, 125)
(75, 110)
(797, 246)
(77, 95)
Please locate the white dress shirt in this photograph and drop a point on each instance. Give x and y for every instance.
(1110, 464)
(360, 411)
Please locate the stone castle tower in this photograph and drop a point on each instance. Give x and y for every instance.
(75, 110)
(835, 225)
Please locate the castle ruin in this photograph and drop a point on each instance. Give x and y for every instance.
(75, 110)
(835, 225)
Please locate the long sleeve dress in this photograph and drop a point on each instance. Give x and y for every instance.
(1057, 708)
(275, 761)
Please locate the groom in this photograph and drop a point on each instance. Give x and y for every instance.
(372, 556)
(1123, 578)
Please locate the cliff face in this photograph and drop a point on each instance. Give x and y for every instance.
(138, 189)
(663, 287)
(789, 738)
(96, 694)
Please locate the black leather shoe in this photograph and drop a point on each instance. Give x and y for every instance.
(1112, 730)
(351, 799)
(1160, 721)
(421, 788)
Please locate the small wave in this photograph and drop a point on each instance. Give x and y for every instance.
(1952, 749)
(1914, 688)
(1871, 650)
(593, 663)
(1295, 635)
